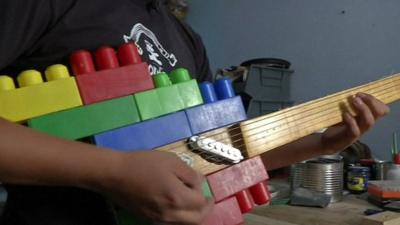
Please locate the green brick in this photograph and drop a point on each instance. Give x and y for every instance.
(190, 93)
(170, 99)
(188, 88)
(206, 190)
(148, 104)
(88, 120)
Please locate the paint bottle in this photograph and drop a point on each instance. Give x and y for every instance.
(357, 179)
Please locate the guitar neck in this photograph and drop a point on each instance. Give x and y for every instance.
(267, 132)
(256, 136)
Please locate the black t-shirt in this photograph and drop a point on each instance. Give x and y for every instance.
(39, 33)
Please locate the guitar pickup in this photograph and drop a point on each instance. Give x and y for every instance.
(214, 150)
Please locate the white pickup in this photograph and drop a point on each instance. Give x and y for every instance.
(216, 150)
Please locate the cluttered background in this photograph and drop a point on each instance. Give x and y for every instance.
(331, 45)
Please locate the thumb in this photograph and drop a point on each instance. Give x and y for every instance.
(188, 176)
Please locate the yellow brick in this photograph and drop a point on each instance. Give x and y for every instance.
(38, 99)
(6, 83)
(29, 78)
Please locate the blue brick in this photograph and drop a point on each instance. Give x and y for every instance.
(148, 134)
(215, 115)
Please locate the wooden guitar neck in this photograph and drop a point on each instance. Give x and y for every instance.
(256, 136)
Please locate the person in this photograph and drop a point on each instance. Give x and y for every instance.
(55, 181)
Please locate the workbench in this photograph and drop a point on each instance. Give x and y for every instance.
(349, 211)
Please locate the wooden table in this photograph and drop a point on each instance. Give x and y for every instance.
(347, 212)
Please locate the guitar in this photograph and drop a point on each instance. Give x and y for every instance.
(256, 136)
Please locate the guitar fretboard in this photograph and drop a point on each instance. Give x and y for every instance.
(256, 136)
(273, 130)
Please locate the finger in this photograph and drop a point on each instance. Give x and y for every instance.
(365, 118)
(352, 126)
(378, 108)
(188, 198)
(188, 176)
(179, 195)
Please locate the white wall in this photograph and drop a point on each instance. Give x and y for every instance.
(332, 45)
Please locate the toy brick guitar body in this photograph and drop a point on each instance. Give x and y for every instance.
(122, 110)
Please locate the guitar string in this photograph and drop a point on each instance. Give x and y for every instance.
(331, 113)
(323, 113)
(339, 94)
(254, 149)
(260, 149)
(261, 118)
(240, 134)
(291, 109)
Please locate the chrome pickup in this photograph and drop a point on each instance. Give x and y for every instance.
(216, 150)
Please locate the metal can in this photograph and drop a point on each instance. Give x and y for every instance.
(323, 174)
(357, 179)
(380, 170)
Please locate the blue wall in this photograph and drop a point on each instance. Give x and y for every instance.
(332, 45)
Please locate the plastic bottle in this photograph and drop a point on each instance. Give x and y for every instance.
(394, 170)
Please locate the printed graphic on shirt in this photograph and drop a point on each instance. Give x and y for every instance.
(149, 47)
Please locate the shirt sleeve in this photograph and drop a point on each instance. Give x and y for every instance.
(22, 23)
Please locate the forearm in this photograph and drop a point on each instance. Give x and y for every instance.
(302, 149)
(29, 157)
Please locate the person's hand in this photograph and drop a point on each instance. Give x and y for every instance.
(158, 186)
(368, 109)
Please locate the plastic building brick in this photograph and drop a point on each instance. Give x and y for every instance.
(238, 177)
(208, 92)
(223, 88)
(149, 104)
(88, 120)
(188, 88)
(213, 218)
(215, 115)
(147, 134)
(168, 94)
(222, 108)
(245, 200)
(114, 78)
(160, 101)
(226, 212)
(256, 195)
(260, 193)
(206, 190)
(230, 212)
(35, 97)
(173, 93)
